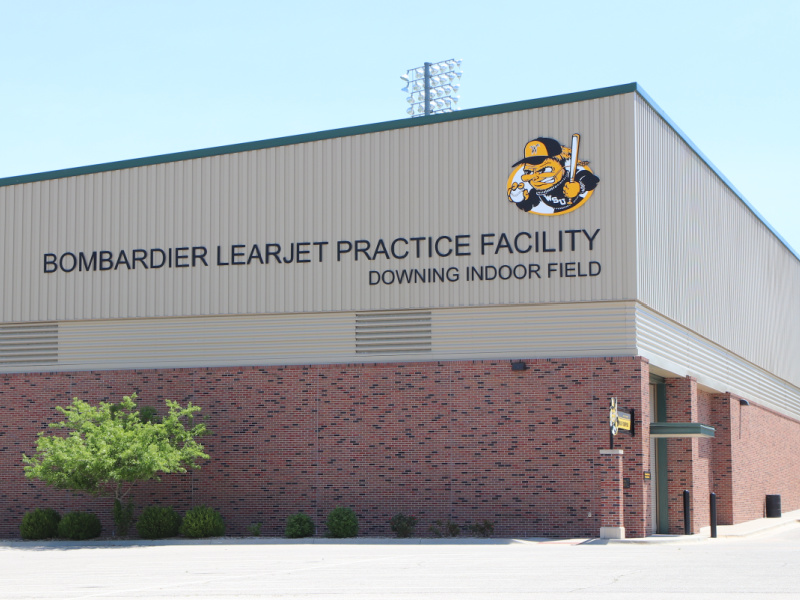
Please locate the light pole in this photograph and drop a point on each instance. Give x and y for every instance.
(432, 88)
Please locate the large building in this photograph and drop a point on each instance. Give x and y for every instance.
(430, 316)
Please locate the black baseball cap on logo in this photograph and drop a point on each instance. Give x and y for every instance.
(539, 150)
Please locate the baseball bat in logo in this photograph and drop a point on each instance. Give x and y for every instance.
(550, 180)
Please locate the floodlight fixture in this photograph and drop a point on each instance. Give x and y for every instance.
(432, 88)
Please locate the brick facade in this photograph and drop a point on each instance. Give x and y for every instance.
(462, 441)
(754, 452)
(688, 459)
(612, 499)
(765, 449)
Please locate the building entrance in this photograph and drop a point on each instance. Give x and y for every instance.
(658, 460)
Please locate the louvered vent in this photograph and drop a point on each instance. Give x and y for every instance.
(393, 332)
(28, 344)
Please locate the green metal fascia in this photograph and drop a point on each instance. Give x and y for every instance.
(325, 135)
(680, 430)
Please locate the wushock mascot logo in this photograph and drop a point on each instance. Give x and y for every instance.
(550, 180)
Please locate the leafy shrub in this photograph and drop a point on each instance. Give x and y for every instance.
(444, 529)
(402, 525)
(254, 529)
(482, 528)
(299, 526)
(202, 521)
(123, 517)
(342, 523)
(39, 524)
(79, 526)
(157, 522)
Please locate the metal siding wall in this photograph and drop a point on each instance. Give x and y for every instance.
(674, 348)
(706, 260)
(553, 331)
(541, 331)
(439, 179)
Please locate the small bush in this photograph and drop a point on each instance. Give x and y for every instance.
(39, 524)
(402, 525)
(202, 521)
(79, 526)
(482, 528)
(342, 523)
(123, 517)
(158, 522)
(254, 529)
(299, 526)
(444, 529)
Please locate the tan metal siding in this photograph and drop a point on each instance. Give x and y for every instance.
(543, 331)
(674, 348)
(706, 260)
(439, 179)
(551, 331)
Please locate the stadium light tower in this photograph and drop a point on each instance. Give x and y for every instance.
(432, 88)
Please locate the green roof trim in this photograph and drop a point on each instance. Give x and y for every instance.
(681, 430)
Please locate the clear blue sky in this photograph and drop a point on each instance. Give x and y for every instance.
(92, 82)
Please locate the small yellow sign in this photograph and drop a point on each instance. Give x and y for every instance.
(618, 419)
(623, 420)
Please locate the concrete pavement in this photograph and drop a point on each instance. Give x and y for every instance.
(748, 564)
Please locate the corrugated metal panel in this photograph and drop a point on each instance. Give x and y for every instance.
(542, 331)
(443, 179)
(28, 344)
(393, 332)
(706, 260)
(604, 329)
(670, 346)
(213, 341)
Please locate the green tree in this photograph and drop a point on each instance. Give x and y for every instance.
(108, 448)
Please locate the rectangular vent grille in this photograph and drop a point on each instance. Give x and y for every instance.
(28, 344)
(393, 332)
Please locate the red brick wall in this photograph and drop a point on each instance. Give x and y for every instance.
(689, 460)
(681, 452)
(754, 452)
(721, 463)
(636, 460)
(612, 499)
(461, 441)
(765, 460)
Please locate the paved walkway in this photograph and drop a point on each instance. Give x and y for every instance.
(667, 567)
(741, 530)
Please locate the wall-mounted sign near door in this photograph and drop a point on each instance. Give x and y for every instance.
(620, 420)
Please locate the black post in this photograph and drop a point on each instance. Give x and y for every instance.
(687, 526)
(713, 515)
(428, 90)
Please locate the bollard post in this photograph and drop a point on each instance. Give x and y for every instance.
(713, 515)
(687, 526)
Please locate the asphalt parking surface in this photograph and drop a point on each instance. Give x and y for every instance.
(765, 565)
